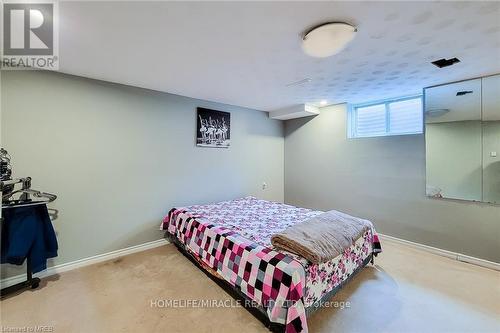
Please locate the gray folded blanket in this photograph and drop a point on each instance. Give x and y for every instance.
(322, 237)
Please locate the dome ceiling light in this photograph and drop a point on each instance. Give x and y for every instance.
(436, 112)
(328, 39)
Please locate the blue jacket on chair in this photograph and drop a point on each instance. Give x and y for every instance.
(28, 232)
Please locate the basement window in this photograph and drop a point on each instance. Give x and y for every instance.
(399, 116)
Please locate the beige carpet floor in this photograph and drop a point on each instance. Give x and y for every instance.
(406, 291)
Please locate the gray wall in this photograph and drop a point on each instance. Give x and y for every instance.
(120, 157)
(382, 179)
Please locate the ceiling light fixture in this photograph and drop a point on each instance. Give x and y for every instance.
(436, 112)
(328, 39)
(323, 103)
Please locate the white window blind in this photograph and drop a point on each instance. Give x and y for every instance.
(390, 117)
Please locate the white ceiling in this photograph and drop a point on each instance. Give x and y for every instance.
(246, 53)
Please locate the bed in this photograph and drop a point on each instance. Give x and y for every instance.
(231, 242)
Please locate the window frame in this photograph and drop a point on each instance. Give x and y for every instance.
(352, 117)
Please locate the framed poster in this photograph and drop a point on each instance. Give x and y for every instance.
(213, 128)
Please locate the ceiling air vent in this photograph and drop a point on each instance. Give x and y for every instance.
(445, 62)
(465, 92)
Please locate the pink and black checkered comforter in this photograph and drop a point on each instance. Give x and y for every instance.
(233, 239)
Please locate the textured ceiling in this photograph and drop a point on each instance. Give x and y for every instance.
(247, 53)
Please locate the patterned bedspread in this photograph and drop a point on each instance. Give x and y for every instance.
(233, 238)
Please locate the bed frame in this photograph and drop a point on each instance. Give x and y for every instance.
(259, 312)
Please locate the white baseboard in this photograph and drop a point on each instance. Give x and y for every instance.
(150, 245)
(445, 253)
(85, 262)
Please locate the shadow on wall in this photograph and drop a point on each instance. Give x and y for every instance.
(492, 191)
(138, 235)
(465, 182)
(294, 124)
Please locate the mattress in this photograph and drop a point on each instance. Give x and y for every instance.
(232, 240)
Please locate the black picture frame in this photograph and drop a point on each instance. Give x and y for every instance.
(213, 128)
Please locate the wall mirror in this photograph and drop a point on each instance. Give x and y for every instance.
(462, 139)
